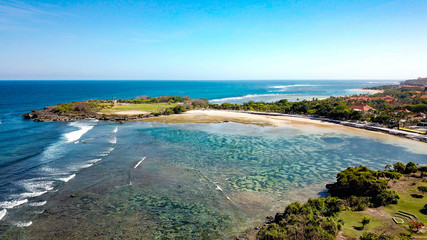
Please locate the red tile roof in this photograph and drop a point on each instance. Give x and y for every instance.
(361, 107)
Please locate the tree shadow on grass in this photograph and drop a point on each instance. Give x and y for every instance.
(417, 195)
(358, 228)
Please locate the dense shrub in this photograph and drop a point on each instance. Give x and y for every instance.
(356, 188)
(316, 219)
(411, 167)
(374, 236)
(399, 167)
(178, 109)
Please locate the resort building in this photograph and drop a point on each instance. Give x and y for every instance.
(361, 107)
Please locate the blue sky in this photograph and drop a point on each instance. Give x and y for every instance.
(215, 39)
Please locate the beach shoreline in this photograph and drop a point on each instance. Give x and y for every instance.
(282, 120)
(370, 91)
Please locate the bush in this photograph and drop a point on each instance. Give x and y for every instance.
(386, 197)
(178, 109)
(422, 189)
(357, 181)
(411, 167)
(315, 219)
(373, 236)
(389, 175)
(424, 210)
(358, 203)
(399, 167)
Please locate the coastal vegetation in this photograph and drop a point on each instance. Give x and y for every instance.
(361, 205)
(395, 106)
(117, 109)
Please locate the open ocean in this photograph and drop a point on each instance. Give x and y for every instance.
(197, 180)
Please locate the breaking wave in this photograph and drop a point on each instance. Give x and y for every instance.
(248, 97)
(3, 213)
(37, 204)
(23, 224)
(66, 179)
(76, 135)
(13, 203)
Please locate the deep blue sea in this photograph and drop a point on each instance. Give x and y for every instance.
(197, 180)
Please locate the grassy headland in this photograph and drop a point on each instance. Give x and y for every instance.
(117, 110)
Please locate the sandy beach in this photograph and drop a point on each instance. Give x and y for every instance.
(305, 125)
(372, 91)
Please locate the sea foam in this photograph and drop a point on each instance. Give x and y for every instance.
(23, 224)
(76, 135)
(37, 204)
(13, 203)
(66, 179)
(32, 194)
(95, 160)
(3, 213)
(246, 97)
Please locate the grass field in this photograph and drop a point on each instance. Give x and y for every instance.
(382, 217)
(410, 204)
(145, 107)
(352, 223)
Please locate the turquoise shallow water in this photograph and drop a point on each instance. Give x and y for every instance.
(199, 181)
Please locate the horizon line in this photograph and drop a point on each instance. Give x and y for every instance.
(289, 79)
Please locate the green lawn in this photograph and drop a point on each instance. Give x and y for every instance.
(352, 222)
(148, 107)
(406, 203)
(410, 204)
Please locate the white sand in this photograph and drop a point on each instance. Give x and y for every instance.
(305, 125)
(367, 90)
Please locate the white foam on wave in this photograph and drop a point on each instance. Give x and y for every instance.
(36, 186)
(76, 135)
(103, 154)
(13, 203)
(283, 88)
(115, 129)
(3, 213)
(95, 160)
(37, 204)
(246, 97)
(23, 224)
(114, 140)
(53, 171)
(32, 194)
(293, 85)
(140, 162)
(66, 179)
(88, 165)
